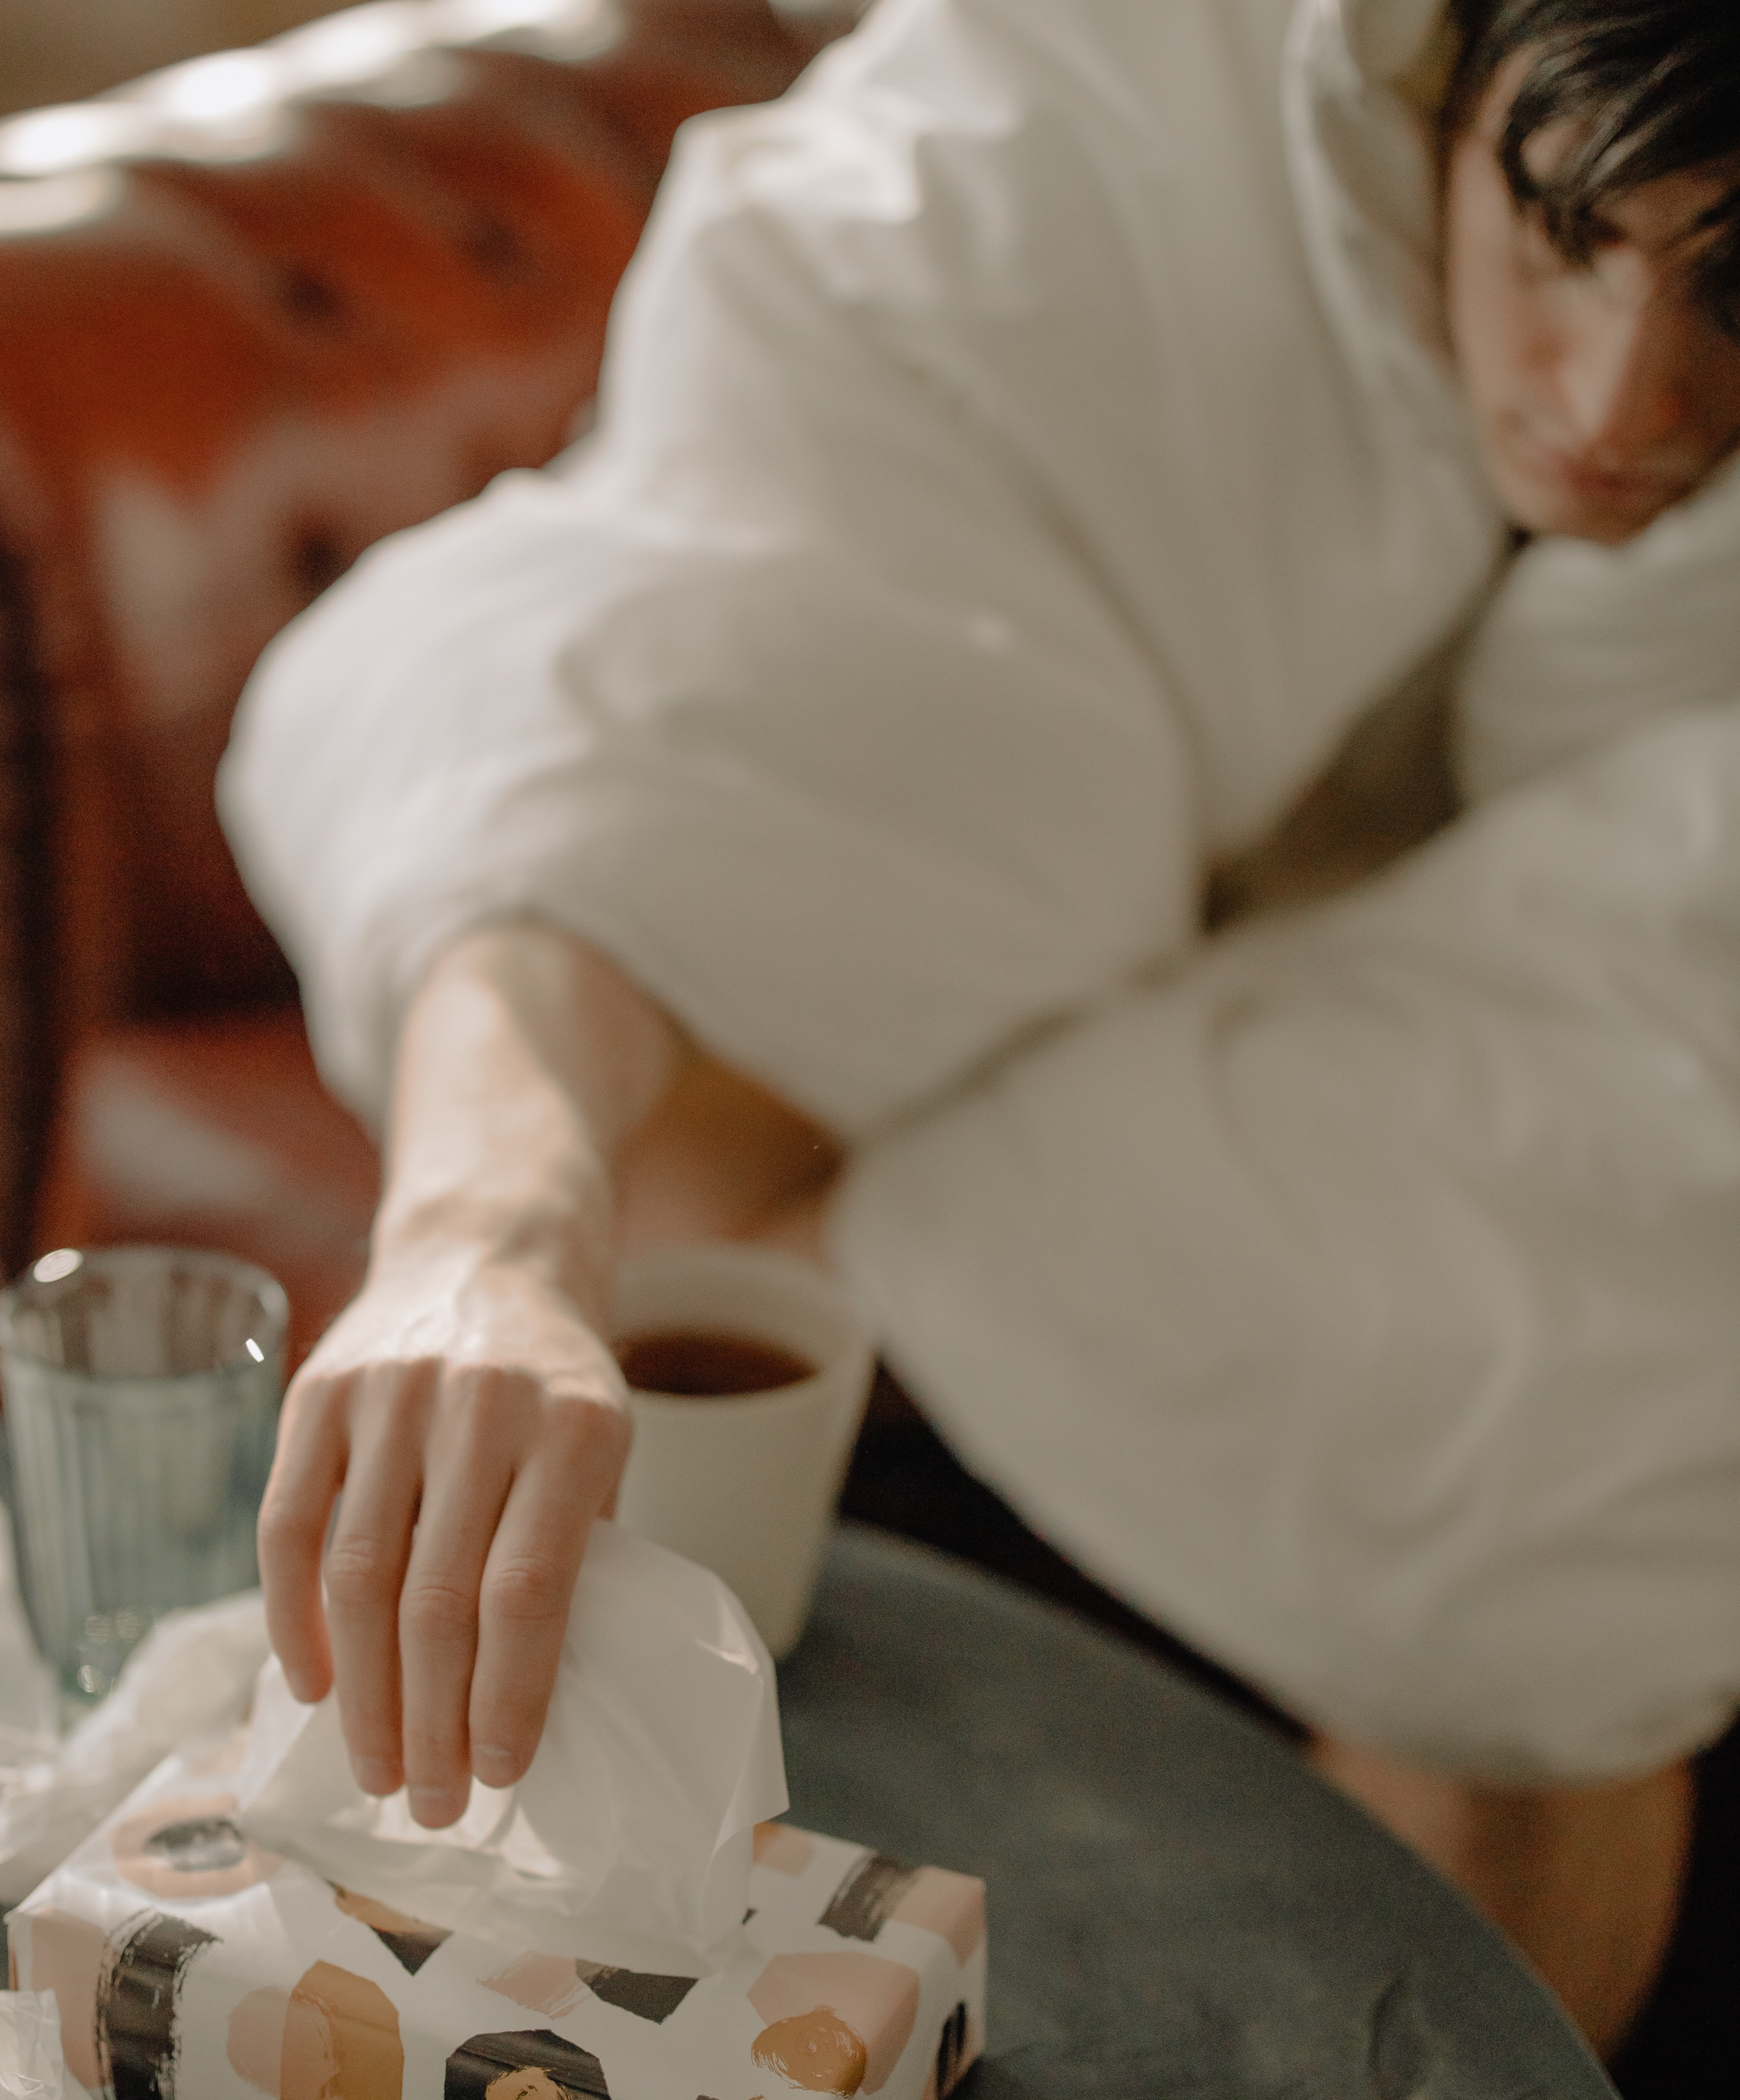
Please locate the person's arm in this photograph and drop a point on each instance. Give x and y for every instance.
(464, 1404)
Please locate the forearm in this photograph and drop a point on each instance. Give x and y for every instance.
(465, 1405)
(526, 1062)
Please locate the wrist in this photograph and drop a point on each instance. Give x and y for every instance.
(444, 1238)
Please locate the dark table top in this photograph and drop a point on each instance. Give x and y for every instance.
(1178, 1905)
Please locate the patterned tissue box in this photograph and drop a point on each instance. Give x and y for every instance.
(190, 1963)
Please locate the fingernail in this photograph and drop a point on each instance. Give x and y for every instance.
(435, 1806)
(375, 1775)
(490, 1757)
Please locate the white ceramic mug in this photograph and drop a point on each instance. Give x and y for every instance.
(745, 1483)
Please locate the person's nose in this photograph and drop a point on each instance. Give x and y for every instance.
(1626, 383)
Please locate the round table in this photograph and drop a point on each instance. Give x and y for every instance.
(1178, 1905)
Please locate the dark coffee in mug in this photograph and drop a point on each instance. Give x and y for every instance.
(705, 1363)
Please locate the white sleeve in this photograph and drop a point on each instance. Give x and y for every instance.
(1365, 1300)
(784, 689)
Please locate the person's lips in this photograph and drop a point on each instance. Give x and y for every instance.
(1586, 481)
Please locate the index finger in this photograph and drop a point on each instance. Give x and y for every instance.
(307, 1473)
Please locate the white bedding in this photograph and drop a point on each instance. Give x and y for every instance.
(1024, 452)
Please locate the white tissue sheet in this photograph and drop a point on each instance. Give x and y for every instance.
(630, 1834)
(31, 2065)
(192, 1674)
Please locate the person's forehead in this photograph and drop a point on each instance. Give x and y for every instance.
(1666, 218)
(1500, 92)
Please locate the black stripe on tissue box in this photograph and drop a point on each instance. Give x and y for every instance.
(648, 1996)
(138, 1988)
(863, 1902)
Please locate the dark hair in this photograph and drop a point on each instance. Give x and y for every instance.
(1652, 88)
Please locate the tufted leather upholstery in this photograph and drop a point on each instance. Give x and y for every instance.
(256, 311)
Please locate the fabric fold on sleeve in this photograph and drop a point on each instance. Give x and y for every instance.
(1360, 1300)
(783, 691)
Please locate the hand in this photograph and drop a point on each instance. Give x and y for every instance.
(476, 1427)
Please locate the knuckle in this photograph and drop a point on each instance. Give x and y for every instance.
(359, 1572)
(315, 1396)
(311, 1384)
(477, 1382)
(307, 1392)
(438, 1615)
(287, 1528)
(584, 1431)
(525, 1591)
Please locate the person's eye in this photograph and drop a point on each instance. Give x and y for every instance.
(1717, 301)
(1537, 257)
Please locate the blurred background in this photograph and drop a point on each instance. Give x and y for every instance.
(57, 50)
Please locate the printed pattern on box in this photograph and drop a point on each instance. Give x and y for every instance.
(191, 1964)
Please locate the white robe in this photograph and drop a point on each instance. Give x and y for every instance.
(1024, 451)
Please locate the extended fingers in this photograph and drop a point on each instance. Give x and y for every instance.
(528, 1582)
(467, 1493)
(365, 1565)
(485, 1425)
(307, 1472)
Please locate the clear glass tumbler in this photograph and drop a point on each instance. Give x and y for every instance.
(141, 1396)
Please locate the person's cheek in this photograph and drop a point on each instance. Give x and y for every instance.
(1721, 359)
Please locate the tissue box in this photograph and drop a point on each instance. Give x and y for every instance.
(190, 1964)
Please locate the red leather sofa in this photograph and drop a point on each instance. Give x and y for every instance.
(256, 311)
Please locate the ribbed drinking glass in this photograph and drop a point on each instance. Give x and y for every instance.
(141, 1397)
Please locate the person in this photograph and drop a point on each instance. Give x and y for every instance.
(1038, 460)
